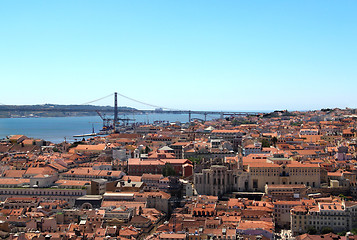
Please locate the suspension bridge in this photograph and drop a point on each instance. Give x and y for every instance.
(87, 107)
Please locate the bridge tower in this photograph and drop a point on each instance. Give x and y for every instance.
(115, 109)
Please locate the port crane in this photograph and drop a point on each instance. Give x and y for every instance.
(106, 121)
(107, 124)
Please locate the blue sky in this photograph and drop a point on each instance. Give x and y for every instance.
(199, 55)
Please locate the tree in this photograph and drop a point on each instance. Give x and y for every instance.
(326, 230)
(343, 197)
(311, 230)
(195, 160)
(168, 170)
(265, 142)
(235, 122)
(274, 140)
(75, 144)
(296, 123)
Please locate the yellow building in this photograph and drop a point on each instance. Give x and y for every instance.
(291, 173)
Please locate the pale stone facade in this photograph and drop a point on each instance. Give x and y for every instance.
(220, 179)
(335, 215)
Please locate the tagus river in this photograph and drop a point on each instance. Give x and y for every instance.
(56, 129)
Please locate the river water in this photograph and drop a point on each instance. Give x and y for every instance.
(56, 129)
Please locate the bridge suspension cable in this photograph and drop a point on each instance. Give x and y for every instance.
(144, 103)
(132, 99)
(96, 100)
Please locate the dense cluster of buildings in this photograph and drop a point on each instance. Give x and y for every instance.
(268, 176)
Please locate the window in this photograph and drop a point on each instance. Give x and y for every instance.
(255, 183)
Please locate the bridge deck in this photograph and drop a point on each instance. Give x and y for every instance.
(29, 109)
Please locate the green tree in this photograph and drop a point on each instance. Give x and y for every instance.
(235, 122)
(265, 142)
(326, 230)
(195, 160)
(274, 140)
(343, 197)
(168, 170)
(75, 144)
(295, 123)
(311, 230)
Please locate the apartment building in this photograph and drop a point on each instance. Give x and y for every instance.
(255, 148)
(54, 193)
(335, 215)
(286, 192)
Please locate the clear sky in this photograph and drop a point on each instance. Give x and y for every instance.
(199, 55)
